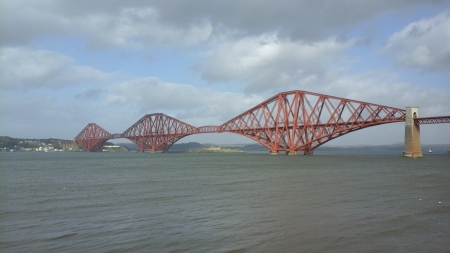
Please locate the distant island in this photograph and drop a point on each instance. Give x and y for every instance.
(213, 149)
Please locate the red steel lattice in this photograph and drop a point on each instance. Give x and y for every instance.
(157, 132)
(432, 120)
(289, 121)
(302, 121)
(207, 129)
(92, 137)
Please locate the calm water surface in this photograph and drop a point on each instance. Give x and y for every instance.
(129, 202)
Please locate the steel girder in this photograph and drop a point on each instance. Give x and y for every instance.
(92, 137)
(432, 120)
(207, 129)
(157, 132)
(289, 121)
(302, 121)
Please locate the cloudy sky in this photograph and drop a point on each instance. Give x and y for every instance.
(64, 64)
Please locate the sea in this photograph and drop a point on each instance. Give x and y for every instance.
(226, 202)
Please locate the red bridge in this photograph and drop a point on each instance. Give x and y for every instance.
(289, 121)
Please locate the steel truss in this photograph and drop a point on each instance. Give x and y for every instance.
(92, 137)
(207, 129)
(289, 121)
(157, 132)
(302, 121)
(432, 120)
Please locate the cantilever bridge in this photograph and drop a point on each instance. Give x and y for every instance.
(290, 121)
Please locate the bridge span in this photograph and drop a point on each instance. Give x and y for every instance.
(291, 122)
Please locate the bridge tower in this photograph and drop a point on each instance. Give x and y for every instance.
(412, 146)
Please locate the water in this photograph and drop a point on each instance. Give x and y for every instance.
(129, 202)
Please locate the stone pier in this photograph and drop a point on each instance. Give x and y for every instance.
(69, 145)
(412, 146)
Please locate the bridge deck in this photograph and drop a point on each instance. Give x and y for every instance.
(432, 120)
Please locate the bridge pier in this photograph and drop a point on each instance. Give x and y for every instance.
(291, 152)
(273, 152)
(308, 152)
(412, 148)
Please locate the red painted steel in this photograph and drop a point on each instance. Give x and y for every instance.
(208, 129)
(432, 120)
(302, 121)
(289, 121)
(92, 137)
(157, 132)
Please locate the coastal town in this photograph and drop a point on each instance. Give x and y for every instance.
(8, 144)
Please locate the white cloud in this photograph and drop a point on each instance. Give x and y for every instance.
(140, 28)
(185, 102)
(269, 63)
(21, 21)
(115, 23)
(385, 88)
(27, 68)
(113, 26)
(423, 44)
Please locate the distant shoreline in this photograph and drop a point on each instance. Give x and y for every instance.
(45, 145)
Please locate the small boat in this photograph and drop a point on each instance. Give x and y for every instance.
(430, 151)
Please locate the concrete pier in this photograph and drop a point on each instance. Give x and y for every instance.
(291, 152)
(412, 146)
(310, 152)
(273, 152)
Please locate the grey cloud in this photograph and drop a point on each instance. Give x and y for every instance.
(23, 21)
(26, 68)
(123, 22)
(305, 20)
(93, 94)
(367, 37)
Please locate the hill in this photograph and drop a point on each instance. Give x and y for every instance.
(8, 143)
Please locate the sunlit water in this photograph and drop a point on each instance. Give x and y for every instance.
(129, 202)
